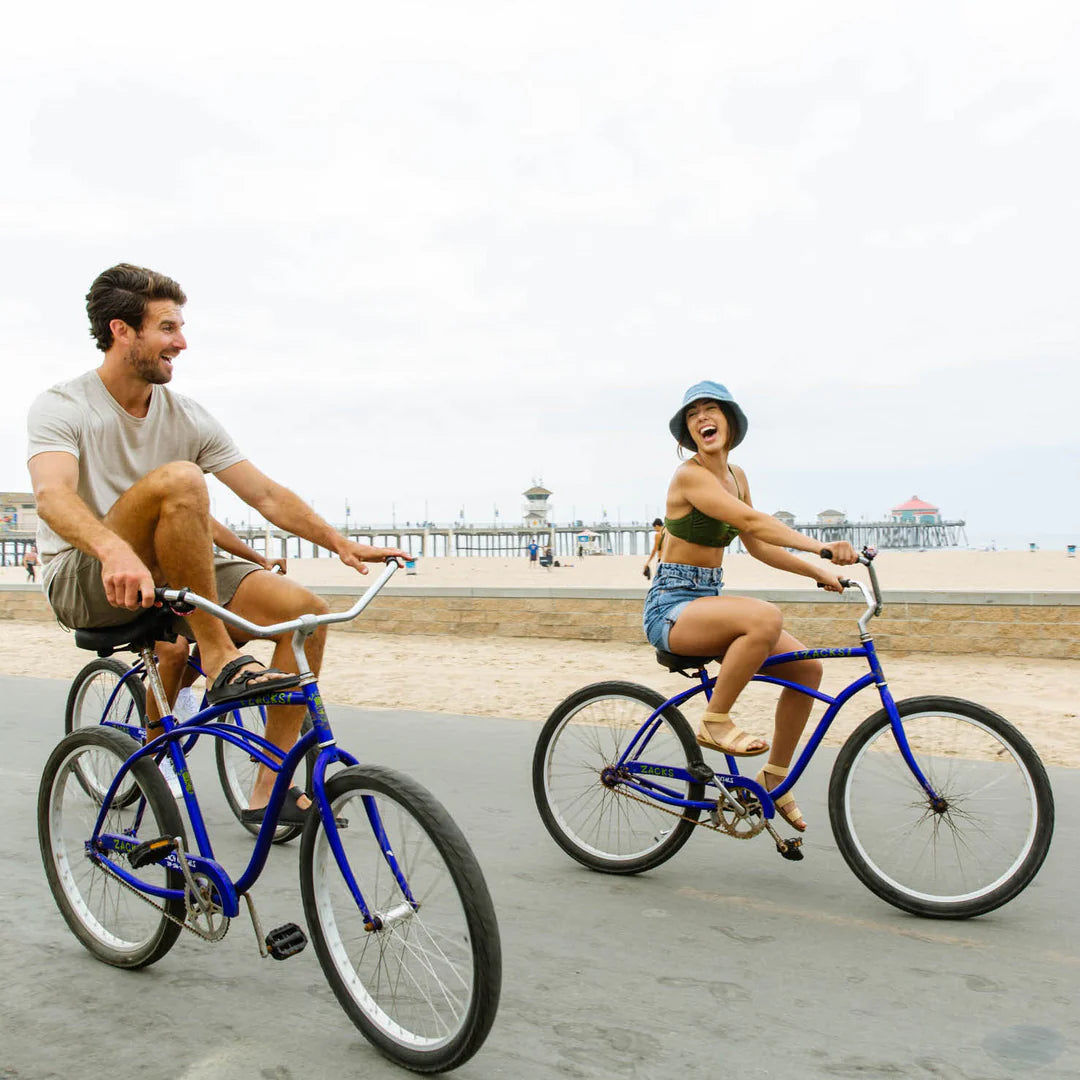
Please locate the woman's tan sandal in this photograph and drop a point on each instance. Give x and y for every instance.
(738, 743)
(785, 805)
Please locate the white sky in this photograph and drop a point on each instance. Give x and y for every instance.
(434, 251)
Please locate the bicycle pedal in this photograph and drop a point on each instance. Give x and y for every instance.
(151, 851)
(285, 941)
(791, 849)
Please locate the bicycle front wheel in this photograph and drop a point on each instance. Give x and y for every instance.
(591, 814)
(422, 979)
(100, 694)
(237, 769)
(117, 924)
(971, 851)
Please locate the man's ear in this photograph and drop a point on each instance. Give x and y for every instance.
(121, 331)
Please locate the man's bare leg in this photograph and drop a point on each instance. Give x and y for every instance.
(165, 517)
(264, 598)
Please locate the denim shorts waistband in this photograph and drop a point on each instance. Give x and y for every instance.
(691, 575)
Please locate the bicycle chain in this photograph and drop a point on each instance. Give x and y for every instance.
(694, 821)
(182, 923)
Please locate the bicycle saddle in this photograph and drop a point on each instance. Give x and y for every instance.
(153, 625)
(681, 664)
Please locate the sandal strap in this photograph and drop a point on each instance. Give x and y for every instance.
(225, 677)
(774, 770)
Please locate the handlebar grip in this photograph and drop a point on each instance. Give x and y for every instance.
(825, 553)
(846, 582)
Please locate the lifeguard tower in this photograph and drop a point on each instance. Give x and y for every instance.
(536, 507)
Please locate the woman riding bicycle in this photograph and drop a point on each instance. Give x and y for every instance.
(708, 505)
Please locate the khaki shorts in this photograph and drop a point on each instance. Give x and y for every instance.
(77, 595)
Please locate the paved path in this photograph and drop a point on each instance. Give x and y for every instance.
(727, 957)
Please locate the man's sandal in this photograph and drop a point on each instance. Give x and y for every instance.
(233, 684)
(785, 805)
(738, 743)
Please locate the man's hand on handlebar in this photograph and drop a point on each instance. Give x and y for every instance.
(128, 583)
(355, 555)
(840, 552)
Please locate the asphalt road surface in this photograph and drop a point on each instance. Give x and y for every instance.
(725, 961)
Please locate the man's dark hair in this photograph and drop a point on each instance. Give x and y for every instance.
(122, 292)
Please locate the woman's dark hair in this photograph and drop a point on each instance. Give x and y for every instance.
(657, 523)
(122, 292)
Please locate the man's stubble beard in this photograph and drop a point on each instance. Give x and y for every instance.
(148, 369)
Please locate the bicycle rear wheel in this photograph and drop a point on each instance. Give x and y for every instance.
(422, 985)
(593, 817)
(237, 769)
(971, 853)
(116, 924)
(94, 699)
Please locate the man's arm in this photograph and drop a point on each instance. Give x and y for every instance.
(55, 478)
(288, 511)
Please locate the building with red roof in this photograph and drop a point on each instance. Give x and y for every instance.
(916, 510)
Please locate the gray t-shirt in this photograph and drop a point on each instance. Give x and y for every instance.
(114, 448)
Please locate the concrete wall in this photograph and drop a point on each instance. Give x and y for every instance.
(1045, 625)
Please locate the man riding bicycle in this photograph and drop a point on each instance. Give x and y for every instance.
(117, 462)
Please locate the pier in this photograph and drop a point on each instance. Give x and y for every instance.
(471, 540)
(612, 538)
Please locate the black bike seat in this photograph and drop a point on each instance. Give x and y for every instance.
(682, 663)
(157, 624)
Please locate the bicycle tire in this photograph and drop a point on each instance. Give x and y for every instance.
(973, 854)
(237, 770)
(88, 698)
(116, 925)
(424, 990)
(592, 822)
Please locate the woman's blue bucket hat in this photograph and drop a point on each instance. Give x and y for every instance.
(708, 391)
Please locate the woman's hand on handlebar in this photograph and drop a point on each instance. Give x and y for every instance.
(841, 553)
(830, 582)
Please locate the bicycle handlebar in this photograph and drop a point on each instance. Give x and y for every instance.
(184, 597)
(872, 596)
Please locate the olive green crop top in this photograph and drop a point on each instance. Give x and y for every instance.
(698, 528)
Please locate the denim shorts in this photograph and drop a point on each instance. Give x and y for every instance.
(674, 586)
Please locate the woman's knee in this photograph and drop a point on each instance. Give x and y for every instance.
(767, 623)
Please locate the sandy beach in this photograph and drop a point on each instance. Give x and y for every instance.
(521, 678)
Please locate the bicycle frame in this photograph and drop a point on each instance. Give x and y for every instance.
(630, 764)
(101, 845)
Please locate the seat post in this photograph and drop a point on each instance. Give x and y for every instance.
(146, 654)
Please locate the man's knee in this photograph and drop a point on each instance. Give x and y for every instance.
(180, 479)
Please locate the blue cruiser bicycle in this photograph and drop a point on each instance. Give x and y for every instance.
(402, 921)
(940, 806)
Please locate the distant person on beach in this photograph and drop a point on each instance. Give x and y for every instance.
(657, 544)
(30, 561)
(534, 552)
(708, 505)
(117, 462)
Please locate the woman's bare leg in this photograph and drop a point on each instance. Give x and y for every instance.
(742, 631)
(792, 712)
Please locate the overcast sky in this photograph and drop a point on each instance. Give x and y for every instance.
(434, 252)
